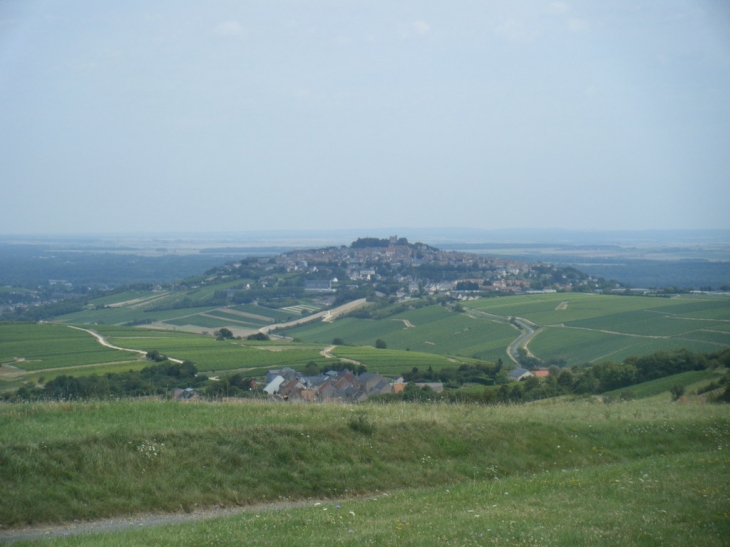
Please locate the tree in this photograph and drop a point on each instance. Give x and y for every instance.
(380, 344)
(311, 369)
(338, 342)
(223, 334)
(260, 336)
(156, 356)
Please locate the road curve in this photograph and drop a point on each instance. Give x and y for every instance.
(104, 342)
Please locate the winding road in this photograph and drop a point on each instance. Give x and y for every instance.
(104, 342)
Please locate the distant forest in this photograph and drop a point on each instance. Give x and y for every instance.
(31, 266)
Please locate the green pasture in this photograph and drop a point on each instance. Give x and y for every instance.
(209, 322)
(276, 315)
(224, 313)
(128, 296)
(212, 355)
(599, 311)
(447, 332)
(432, 329)
(35, 347)
(579, 346)
(693, 378)
(646, 502)
(694, 322)
(587, 473)
(350, 329)
(119, 316)
(56, 346)
(709, 335)
(394, 362)
(604, 321)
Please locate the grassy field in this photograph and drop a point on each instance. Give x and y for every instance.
(211, 355)
(602, 326)
(639, 473)
(121, 308)
(34, 347)
(578, 328)
(433, 329)
(394, 362)
(33, 350)
(578, 346)
(582, 328)
(650, 502)
(689, 380)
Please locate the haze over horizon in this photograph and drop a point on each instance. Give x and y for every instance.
(164, 116)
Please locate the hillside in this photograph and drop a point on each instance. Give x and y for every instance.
(158, 456)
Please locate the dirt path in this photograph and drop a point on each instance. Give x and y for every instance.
(406, 322)
(151, 520)
(562, 306)
(104, 342)
(326, 316)
(327, 354)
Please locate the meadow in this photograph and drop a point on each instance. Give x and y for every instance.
(395, 362)
(164, 309)
(432, 329)
(36, 347)
(576, 328)
(640, 473)
(47, 350)
(692, 380)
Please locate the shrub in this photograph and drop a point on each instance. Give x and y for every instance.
(361, 424)
(677, 392)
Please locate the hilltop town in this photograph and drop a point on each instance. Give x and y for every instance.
(401, 268)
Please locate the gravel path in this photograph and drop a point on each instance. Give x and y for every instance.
(149, 520)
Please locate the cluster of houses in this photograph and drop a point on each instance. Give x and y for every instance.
(289, 385)
(361, 263)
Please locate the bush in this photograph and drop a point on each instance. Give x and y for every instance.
(677, 392)
(361, 424)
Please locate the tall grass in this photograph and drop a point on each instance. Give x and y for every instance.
(67, 461)
(658, 501)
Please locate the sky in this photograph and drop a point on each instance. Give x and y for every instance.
(165, 116)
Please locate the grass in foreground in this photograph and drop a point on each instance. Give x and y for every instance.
(658, 501)
(61, 462)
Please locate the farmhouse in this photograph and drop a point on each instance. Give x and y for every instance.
(519, 373)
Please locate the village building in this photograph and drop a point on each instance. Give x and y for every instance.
(519, 373)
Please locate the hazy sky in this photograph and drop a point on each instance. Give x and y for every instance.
(135, 116)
